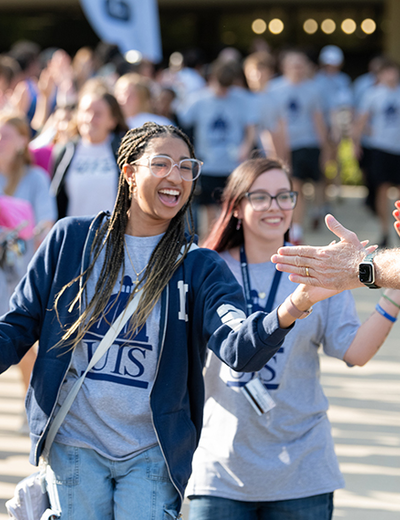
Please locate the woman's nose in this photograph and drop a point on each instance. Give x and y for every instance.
(175, 173)
(274, 201)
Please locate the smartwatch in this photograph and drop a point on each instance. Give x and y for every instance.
(366, 272)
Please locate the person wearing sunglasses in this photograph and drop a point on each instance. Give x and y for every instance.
(127, 442)
(266, 449)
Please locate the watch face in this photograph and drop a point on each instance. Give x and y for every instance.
(366, 273)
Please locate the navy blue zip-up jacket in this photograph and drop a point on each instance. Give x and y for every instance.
(202, 306)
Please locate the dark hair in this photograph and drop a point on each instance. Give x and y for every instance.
(165, 259)
(107, 53)
(168, 90)
(224, 72)
(116, 112)
(224, 234)
(193, 58)
(388, 63)
(25, 52)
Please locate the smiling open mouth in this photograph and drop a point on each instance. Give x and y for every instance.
(272, 220)
(169, 196)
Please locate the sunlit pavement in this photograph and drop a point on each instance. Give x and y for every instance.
(14, 448)
(364, 411)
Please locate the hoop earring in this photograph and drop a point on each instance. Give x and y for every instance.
(131, 185)
(239, 224)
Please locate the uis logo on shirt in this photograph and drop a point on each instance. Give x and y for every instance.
(125, 361)
(269, 375)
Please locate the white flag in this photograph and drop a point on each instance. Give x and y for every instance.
(130, 24)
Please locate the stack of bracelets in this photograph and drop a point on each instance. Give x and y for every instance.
(384, 313)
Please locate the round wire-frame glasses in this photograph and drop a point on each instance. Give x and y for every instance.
(161, 166)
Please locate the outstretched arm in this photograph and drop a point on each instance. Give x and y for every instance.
(336, 266)
(374, 331)
(387, 268)
(304, 297)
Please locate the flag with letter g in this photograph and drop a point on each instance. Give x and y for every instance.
(130, 24)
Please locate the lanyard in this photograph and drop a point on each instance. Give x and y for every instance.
(247, 288)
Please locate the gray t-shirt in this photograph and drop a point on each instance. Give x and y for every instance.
(33, 187)
(383, 106)
(361, 85)
(289, 452)
(265, 116)
(296, 104)
(335, 91)
(111, 413)
(219, 128)
(266, 108)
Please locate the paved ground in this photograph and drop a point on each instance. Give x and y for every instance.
(365, 408)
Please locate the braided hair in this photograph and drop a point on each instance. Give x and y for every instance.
(165, 259)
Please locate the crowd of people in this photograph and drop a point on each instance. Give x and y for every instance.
(128, 151)
(285, 104)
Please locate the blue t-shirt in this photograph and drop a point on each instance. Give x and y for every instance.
(361, 86)
(297, 104)
(383, 106)
(219, 128)
(265, 106)
(335, 91)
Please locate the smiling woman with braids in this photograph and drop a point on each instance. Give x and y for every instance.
(124, 449)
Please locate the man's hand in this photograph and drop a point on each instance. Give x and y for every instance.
(333, 267)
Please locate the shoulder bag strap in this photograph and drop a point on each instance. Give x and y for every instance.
(104, 345)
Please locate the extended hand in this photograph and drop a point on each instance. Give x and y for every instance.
(333, 267)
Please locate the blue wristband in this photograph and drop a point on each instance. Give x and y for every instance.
(385, 314)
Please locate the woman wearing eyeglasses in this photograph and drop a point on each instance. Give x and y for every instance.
(125, 448)
(266, 449)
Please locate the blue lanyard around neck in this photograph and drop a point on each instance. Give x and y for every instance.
(247, 287)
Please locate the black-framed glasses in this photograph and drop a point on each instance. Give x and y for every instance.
(262, 200)
(161, 166)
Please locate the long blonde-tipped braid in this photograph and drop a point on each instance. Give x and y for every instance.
(164, 260)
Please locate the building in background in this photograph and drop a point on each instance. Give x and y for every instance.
(361, 28)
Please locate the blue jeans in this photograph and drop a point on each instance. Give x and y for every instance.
(92, 487)
(318, 507)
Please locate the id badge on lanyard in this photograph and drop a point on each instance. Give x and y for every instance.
(258, 396)
(254, 391)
